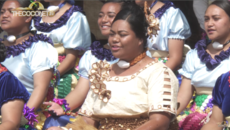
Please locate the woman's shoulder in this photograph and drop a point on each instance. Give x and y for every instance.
(75, 13)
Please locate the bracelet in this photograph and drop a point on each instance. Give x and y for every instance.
(30, 115)
(63, 103)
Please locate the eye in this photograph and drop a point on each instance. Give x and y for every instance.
(111, 16)
(123, 35)
(111, 34)
(216, 19)
(100, 15)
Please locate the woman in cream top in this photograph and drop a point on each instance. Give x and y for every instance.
(135, 93)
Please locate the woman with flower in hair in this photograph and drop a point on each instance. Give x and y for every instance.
(167, 32)
(134, 93)
(30, 57)
(13, 96)
(70, 33)
(203, 65)
(99, 51)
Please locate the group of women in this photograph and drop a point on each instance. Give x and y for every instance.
(130, 83)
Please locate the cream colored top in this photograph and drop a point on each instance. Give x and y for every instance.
(130, 96)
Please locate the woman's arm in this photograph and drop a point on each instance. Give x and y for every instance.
(175, 53)
(185, 94)
(78, 95)
(157, 121)
(11, 114)
(69, 62)
(215, 121)
(75, 98)
(41, 85)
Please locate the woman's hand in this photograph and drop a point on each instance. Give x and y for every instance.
(54, 107)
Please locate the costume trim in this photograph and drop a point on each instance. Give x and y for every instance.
(100, 52)
(206, 58)
(162, 10)
(16, 50)
(48, 27)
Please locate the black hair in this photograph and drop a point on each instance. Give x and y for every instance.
(124, 2)
(135, 16)
(223, 4)
(2, 52)
(24, 4)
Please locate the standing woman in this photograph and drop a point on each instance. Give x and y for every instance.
(204, 64)
(31, 57)
(13, 96)
(70, 33)
(167, 31)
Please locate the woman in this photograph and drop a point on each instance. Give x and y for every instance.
(12, 95)
(31, 57)
(70, 33)
(204, 65)
(167, 30)
(98, 52)
(144, 92)
(220, 101)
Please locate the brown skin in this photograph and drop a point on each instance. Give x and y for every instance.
(11, 114)
(123, 43)
(76, 97)
(217, 27)
(175, 52)
(216, 119)
(71, 55)
(15, 25)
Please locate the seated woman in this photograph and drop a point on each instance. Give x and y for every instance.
(221, 107)
(31, 57)
(203, 65)
(98, 52)
(135, 89)
(13, 96)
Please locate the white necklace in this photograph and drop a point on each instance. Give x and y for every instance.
(123, 64)
(218, 46)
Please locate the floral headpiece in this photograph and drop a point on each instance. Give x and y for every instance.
(153, 22)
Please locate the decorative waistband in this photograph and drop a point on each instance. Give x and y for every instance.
(128, 123)
(121, 123)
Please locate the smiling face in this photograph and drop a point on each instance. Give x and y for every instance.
(123, 41)
(217, 23)
(106, 16)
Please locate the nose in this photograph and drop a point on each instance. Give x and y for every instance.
(5, 14)
(105, 19)
(115, 39)
(210, 23)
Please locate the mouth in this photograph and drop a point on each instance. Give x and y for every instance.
(115, 48)
(4, 21)
(104, 27)
(210, 31)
